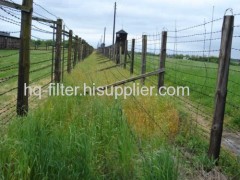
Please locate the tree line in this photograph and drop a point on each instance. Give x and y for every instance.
(48, 44)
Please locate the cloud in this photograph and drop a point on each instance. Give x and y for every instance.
(88, 18)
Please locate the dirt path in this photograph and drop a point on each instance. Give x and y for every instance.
(230, 140)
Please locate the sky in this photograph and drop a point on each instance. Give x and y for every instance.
(87, 18)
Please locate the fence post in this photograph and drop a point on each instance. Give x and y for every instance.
(125, 54)
(106, 51)
(120, 53)
(117, 53)
(144, 55)
(81, 57)
(221, 89)
(110, 48)
(75, 51)
(162, 58)
(79, 49)
(87, 50)
(53, 49)
(83, 50)
(132, 56)
(63, 53)
(24, 59)
(58, 51)
(114, 53)
(69, 65)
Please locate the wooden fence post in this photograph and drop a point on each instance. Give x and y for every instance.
(117, 53)
(88, 47)
(144, 56)
(125, 54)
(24, 59)
(111, 54)
(79, 49)
(114, 53)
(120, 53)
(106, 51)
(63, 52)
(132, 56)
(75, 51)
(58, 51)
(69, 63)
(53, 54)
(162, 58)
(221, 89)
(87, 50)
(83, 50)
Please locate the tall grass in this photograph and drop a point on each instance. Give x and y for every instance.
(78, 138)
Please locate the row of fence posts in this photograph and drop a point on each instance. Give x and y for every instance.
(81, 50)
(222, 80)
(122, 59)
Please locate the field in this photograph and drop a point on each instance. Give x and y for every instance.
(201, 78)
(40, 74)
(102, 138)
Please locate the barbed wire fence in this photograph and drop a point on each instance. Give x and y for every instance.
(44, 53)
(199, 73)
(8, 70)
(139, 106)
(193, 61)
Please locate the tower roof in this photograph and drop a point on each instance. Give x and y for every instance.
(121, 32)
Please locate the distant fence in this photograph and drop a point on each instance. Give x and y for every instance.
(46, 50)
(206, 61)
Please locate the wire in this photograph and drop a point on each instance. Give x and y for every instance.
(5, 79)
(45, 10)
(9, 55)
(9, 20)
(197, 34)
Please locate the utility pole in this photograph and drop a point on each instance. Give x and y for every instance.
(114, 23)
(104, 38)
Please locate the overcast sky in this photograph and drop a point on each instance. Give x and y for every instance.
(87, 18)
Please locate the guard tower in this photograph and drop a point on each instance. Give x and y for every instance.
(121, 37)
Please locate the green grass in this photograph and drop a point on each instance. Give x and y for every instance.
(83, 138)
(193, 140)
(194, 143)
(102, 138)
(40, 71)
(201, 78)
(88, 139)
